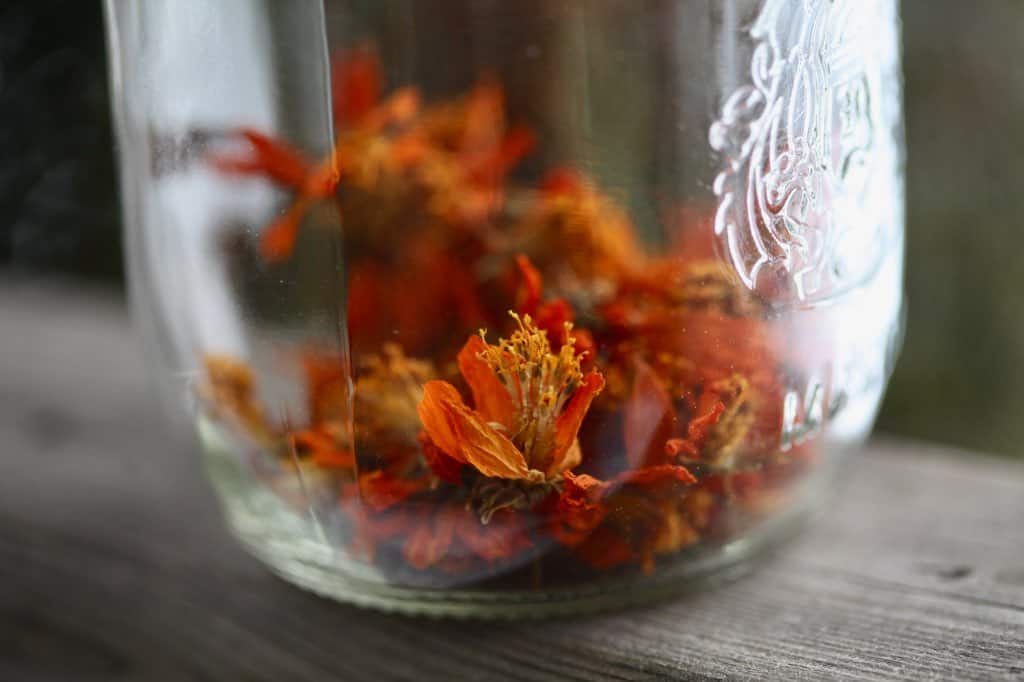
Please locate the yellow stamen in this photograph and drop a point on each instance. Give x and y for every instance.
(540, 382)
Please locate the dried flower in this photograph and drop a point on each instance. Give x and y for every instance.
(630, 518)
(530, 403)
(230, 391)
(593, 238)
(388, 392)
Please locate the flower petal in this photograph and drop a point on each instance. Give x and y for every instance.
(503, 537)
(647, 419)
(436, 416)
(662, 473)
(696, 433)
(488, 450)
(356, 83)
(492, 165)
(466, 435)
(270, 158)
(490, 397)
(430, 542)
(444, 466)
(278, 239)
(322, 449)
(568, 423)
(530, 288)
(380, 491)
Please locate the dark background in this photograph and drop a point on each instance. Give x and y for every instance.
(961, 375)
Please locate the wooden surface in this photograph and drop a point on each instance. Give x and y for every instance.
(114, 565)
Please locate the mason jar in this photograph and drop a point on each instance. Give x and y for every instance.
(504, 309)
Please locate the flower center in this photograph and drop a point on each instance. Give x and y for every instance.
(540, 382)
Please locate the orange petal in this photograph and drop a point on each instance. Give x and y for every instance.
(327, 386)
(492, 166)
(270, 158)
(404, 104)
(408, 150)
(530, 288)
(278, 239)
(436, 416)
(488, 450)
(490, 397)
(568, 423)
(379, 491)
(662, 473)
(444, 466)
(322, 181)
(466, 435)
(484, 117)
(322, 449)
(647, 419)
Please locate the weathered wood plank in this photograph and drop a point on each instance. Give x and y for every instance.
(113, 563)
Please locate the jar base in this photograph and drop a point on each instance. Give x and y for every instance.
(293, 547)
(724, 565)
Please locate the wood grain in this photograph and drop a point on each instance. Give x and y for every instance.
(114, 565)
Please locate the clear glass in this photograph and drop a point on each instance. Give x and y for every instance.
(493, 308)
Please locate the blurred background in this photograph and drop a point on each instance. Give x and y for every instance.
(960, 379)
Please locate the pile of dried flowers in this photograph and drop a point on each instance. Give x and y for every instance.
(628, 408)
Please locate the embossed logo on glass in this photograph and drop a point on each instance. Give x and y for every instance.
(802, 208)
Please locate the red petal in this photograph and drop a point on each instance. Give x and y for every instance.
(606, 548)
(379, 491)
(569, 422)
(696, 433)
(552, 318)
(444, 466)
(356, 84)
(561, 181)
(647, 419)
(579, 509)
(503, 537)
(490, 397)
(662, 473)
(430, 542)
(530, 288)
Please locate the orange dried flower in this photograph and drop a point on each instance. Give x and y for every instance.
(530, 403)
(594, 239)
(230, 390)
(322, 448)
(387, 394)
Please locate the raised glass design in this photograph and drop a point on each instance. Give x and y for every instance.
(810, 149)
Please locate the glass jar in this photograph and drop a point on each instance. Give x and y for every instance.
(502, 309)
